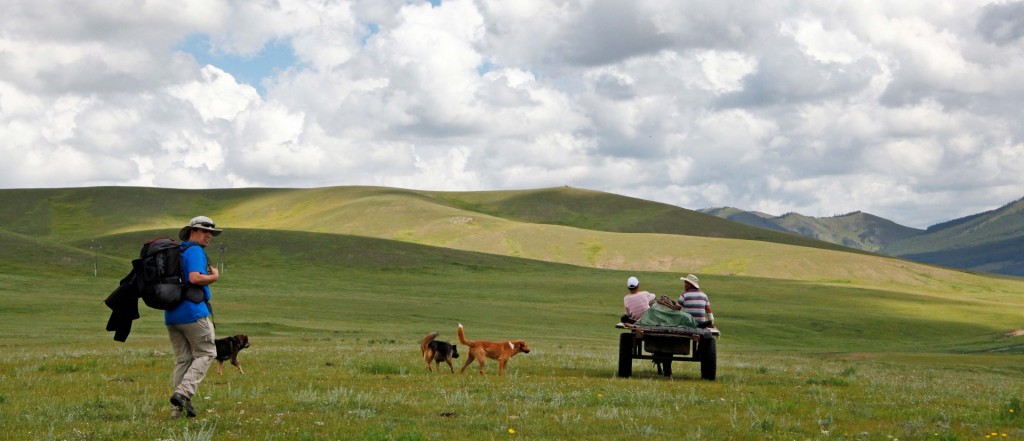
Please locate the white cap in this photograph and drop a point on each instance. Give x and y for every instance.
(199, 223)
(632, 282)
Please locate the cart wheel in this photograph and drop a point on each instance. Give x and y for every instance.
(708, 358)
(626, 344)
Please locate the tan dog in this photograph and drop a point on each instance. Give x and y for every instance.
(482, 350)
(437, 351)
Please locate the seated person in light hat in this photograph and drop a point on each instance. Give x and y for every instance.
(695, 302)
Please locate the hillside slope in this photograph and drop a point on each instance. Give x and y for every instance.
(992, 241)
(293, 270)
(67, 214)
(333, 247)
(76, 216)
(752, 218)
(600, 211)
(856, 230)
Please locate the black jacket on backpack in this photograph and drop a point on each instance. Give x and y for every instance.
(156, 278)
(124, 305)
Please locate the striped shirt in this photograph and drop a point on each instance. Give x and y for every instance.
(637, 303)
(696, 304)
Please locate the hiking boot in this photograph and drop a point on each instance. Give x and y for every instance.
(182, 402)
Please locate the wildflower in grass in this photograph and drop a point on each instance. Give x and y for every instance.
(511, 431)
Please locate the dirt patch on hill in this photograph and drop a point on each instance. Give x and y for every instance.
(1016, 333)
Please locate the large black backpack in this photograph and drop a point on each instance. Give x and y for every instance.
(159, 275)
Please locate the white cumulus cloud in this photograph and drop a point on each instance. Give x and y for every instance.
(907, 110)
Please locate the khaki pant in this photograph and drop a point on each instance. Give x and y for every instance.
(194, 352)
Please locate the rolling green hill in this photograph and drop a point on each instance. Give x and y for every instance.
(856, 230)
(335, 321)
(594, 210)
(752, 218)
(362, 233)
(77, 216)
(300, 283)
(27, 255)
(61, 214)
(336, 287)
(991, 241)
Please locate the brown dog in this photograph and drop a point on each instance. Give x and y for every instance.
(437, 351)
(228, 349)
(482, 350)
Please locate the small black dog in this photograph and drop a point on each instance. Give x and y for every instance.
(228, 349)
(437, 351)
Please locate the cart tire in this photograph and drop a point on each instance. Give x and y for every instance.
(708, 358)
(626, 344)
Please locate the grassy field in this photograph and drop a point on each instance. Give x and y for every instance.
(335, 322)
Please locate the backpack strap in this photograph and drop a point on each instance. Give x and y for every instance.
(186, 283)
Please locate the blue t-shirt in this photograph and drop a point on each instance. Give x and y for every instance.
(193, 259)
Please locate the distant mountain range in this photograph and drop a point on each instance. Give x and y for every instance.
(992, 241)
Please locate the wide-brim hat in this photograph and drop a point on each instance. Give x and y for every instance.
(201, 223)
(692, 279)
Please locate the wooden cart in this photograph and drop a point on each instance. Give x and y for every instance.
(664, 345)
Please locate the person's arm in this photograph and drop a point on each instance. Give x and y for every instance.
(707, 311)
(198, 278)
(195, 262)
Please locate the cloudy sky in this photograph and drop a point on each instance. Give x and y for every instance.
(910, 110)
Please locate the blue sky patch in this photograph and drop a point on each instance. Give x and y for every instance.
(276, 55)
(371, 30)
(485, 67)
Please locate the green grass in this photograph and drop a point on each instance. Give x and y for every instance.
(817, 344)
(355, 387)
(63, 214)
(335, 323)
(639, 235)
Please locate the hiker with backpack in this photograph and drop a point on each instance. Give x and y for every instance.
(189, 324)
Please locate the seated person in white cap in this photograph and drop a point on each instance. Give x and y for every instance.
(636, 302)
(695, 302)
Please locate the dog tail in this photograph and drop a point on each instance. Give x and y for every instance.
(462, 337)
(426, 341)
